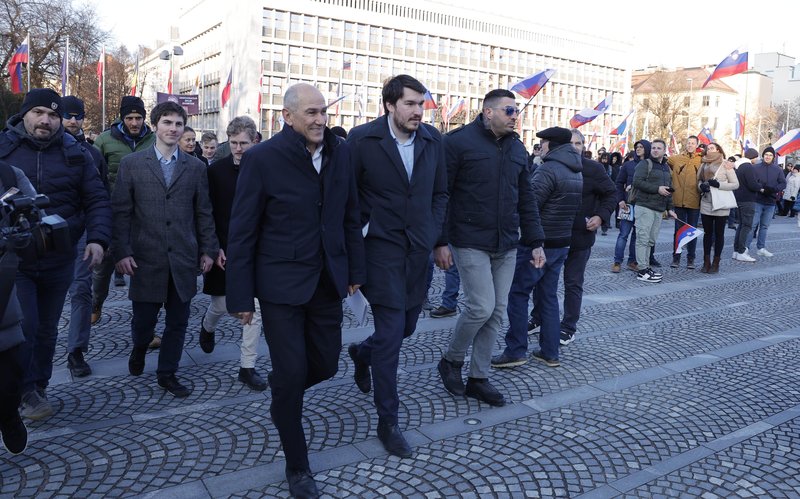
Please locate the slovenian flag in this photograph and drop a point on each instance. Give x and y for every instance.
(20, 57)
(429, 102)
(588, 115)
(457, 108)
(685, 235)
(531, 85)
(622, 127)
(739, 127)
(789, 143)
(705, 136)
(733, 64)
(226, 91)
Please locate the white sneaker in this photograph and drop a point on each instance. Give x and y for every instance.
(743, 257)
(764, 252)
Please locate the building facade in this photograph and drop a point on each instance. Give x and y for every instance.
(349, 47)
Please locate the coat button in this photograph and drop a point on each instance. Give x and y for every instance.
(167, 196)
(168, 223)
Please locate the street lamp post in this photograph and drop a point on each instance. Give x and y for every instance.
(167, 55)
(787, 115)
(689, 111)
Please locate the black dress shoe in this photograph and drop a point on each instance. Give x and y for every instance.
(250, 377)
(481, 389)
(206, 338)
(450, 373)
(77, 365)
(393, 440)
(15, 435)
(361, 373)
(172, 385)
(302, 484)
(136, 361)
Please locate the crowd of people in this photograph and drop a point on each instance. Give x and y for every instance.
(283, 230)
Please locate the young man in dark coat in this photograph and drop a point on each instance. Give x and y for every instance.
(295, 243)
(402, 184)
(222, 177)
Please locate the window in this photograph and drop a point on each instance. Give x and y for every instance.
(687, 101)
(706, 100)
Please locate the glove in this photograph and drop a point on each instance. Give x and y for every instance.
(704, 187)
(791, 198)
(713, 182)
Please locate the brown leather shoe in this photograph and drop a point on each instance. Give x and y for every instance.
(96, 312)
(156, 343)
(615, 268)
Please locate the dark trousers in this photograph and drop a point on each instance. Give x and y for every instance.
(41, 295)
(143, 324)
(714, 235)
(574, 273)
(304, 344)
(10, 384)
(690, 216)
(745, 228)
(382, 352)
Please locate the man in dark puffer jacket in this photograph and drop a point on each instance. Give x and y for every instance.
(557, 185)
(60, 167)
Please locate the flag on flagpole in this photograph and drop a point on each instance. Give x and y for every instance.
(734, 64)
(135, 81)
(673, 143)
(21, 56)
(101, 69)
(260, 86)
(169, 81)
(587, 115)
(459, 106)
(65, 71)
(705, 136)
(789, 143)
(739, 128)
(622, 127)
(685, 235)
(226, 90)
(530, 86)
(429, 102)
(591, 141)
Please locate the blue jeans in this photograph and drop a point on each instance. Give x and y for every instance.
(626, 228)
(762, 217)
(690, 216)
(526, 277)
(574, 272)
(41, 295)
(80, 297)
(452, 281)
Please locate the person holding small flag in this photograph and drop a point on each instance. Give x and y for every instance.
(652, 182)
(686, 198)
(715, 173)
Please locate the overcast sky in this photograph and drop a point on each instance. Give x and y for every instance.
(672, 33)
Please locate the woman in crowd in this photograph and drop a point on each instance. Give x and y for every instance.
(790, 193)
(716, 172)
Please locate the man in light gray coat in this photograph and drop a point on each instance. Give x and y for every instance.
(162, 222)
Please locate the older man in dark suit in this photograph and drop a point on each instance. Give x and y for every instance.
(402, 183)
(162, 222)
(295, 243)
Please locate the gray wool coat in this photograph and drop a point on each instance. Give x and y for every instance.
(164, 228)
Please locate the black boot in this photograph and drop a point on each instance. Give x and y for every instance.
(451, 376)
(392, 439)
(77, 365)
(250, 377)
(302, 484)
(481, 389)
(136, 361)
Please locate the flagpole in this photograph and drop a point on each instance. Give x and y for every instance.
(103, 97)
(744, 115)
(66, 69)
(30, 58)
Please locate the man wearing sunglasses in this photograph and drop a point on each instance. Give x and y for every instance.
(491, 199)
(80, 292)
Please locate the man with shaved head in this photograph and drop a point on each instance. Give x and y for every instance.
(295, 244)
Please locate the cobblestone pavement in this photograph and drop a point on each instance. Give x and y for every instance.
(689, 388)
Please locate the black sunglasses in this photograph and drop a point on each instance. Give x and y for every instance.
(69, 116)
(509, 110)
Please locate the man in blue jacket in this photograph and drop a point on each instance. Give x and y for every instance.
(295, 243)
(63, 169)
(491, 199)
(402, 189)
(770, 180)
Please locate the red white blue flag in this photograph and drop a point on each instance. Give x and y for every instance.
(622, 127)
(789, 143)
(705, 136)
(732, 65)
(226, 91)
(459, 106)
(20, 57)
(685, 235)
(531, 85)
(587, 115)
(429, 102)
(739, 128)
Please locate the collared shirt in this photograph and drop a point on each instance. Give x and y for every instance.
(167, 164)
(316, 158)
(406, 149)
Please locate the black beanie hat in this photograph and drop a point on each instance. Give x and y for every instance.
(750, 153)
(72, 106)
(556, 135)
(44, 97)
(131, 104)
(768, 149)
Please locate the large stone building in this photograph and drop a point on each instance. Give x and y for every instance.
(348, 47)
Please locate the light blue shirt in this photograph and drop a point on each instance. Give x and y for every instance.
(406, 149)
(167, 164)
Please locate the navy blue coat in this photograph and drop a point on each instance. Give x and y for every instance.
(289, 223)
(75, 190)
(405, 217)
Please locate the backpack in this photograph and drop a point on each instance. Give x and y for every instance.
(634, 191)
